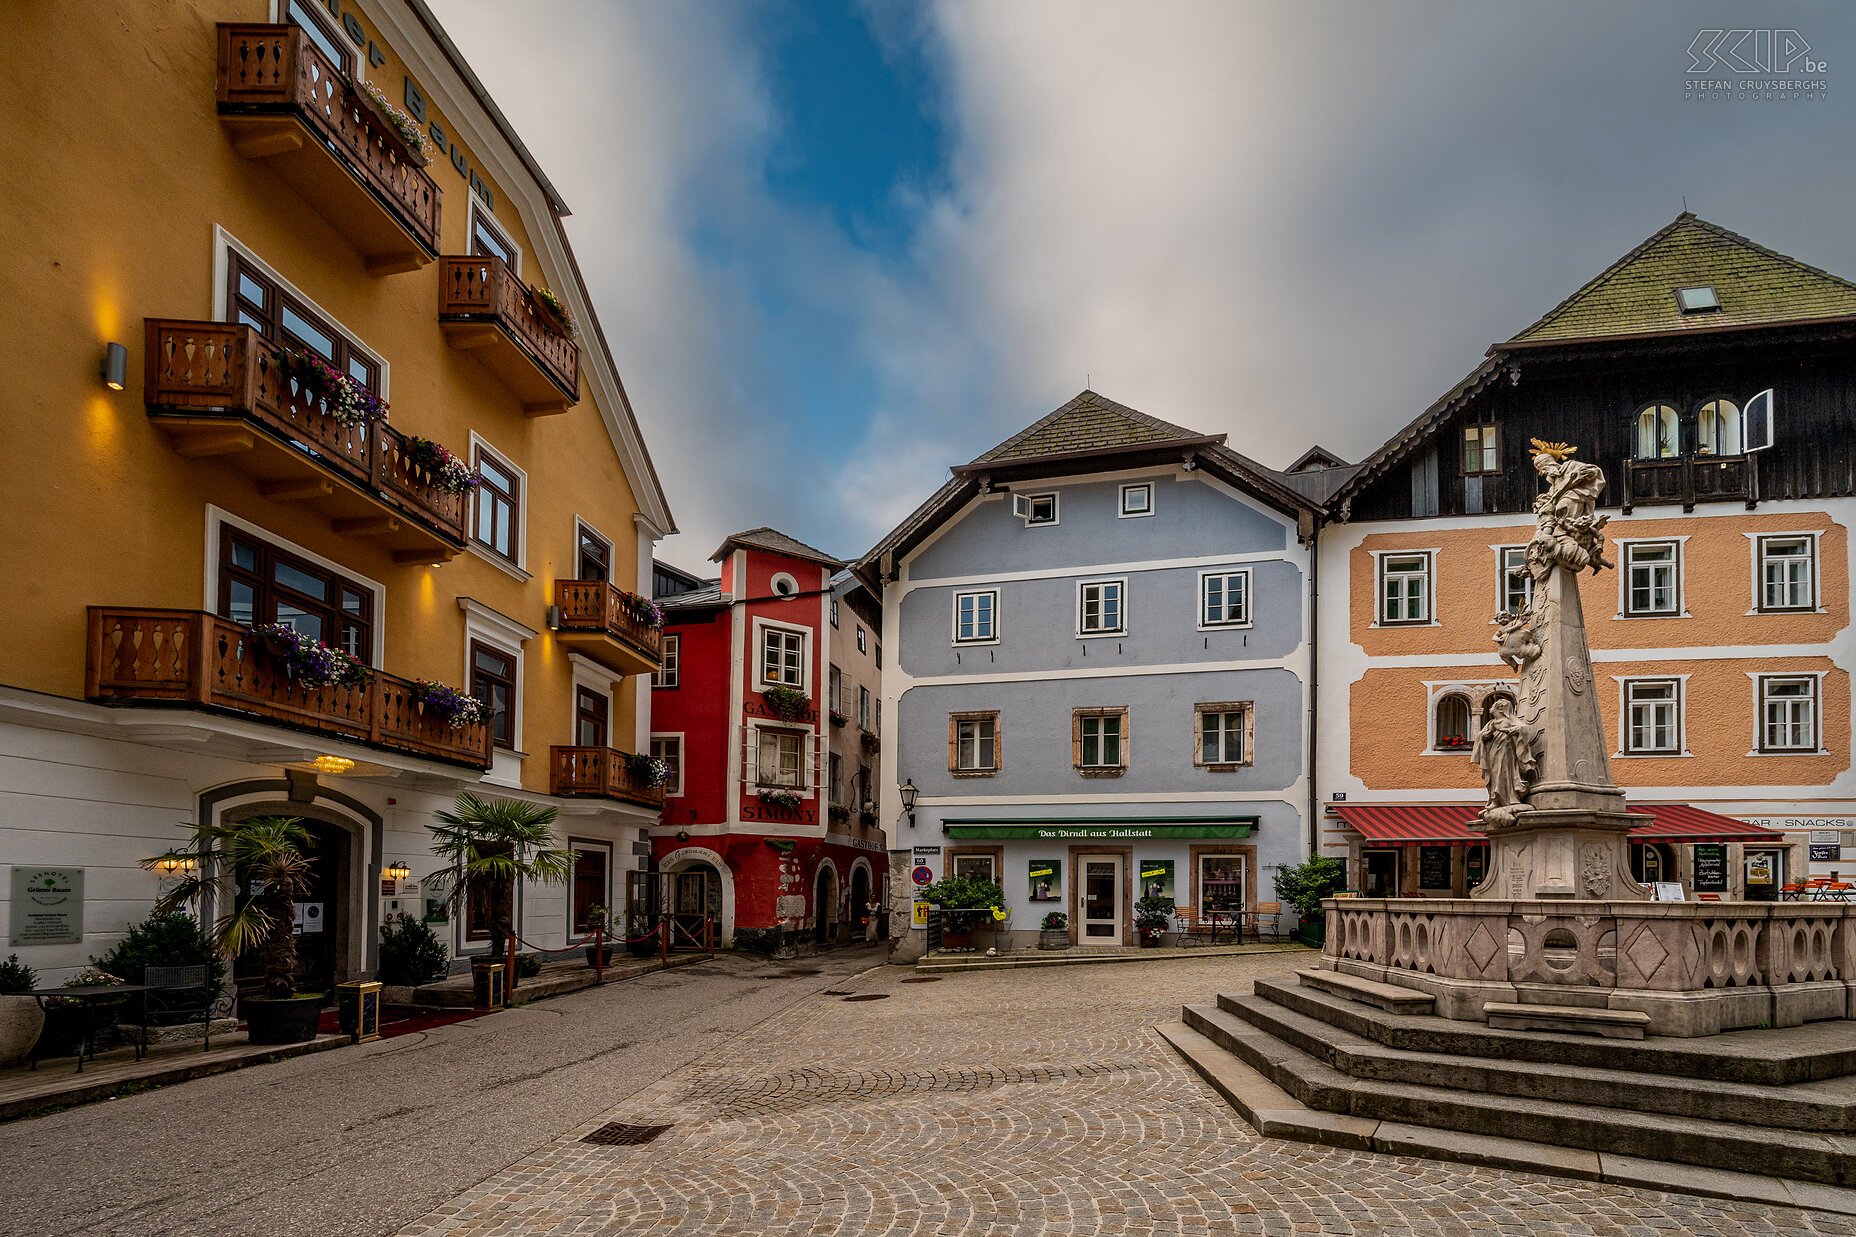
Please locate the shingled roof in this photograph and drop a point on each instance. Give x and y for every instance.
(1089, 422)
(776, 542)
(1636, 294)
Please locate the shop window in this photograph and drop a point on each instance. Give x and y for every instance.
(1221, 883)
(1452, 723)
(983, 866)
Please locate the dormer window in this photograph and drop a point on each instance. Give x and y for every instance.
(1699, 299)
(1035, 508)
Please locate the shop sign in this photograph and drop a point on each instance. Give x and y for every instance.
(1711, 867)
(1826, 852)
(1759, 868)
(1156, 878)
(1046, 876)
(1087, 832)
(47, 906)
(920, 917)
(926, 854)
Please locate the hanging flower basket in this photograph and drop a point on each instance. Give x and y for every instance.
(787, 702)
(866, 817)
(640, 609)
(449, 705)
(308, 661)
(444, 470)
(342, 397)
(840, 719)
(418, 147)
(839, 814)
(554, 310)
(648, 770)
(781, 799)
(870, 741)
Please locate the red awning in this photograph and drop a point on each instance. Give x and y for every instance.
(1401, 824)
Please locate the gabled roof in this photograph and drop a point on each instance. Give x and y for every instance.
(1316, 456)
(775, 542)
(1636, 294)
(1087, 423)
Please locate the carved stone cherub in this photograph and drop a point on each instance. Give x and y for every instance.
(1516, 641)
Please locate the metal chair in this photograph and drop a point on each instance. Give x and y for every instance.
(1191, 931)
(181, 990)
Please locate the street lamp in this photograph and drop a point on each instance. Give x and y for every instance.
(909, 793)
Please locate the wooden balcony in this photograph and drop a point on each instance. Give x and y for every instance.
(285, 103)
(593, 620)
(1691, 479)
(189, 659)
(217, 389)
(599, 773)
(486, 311)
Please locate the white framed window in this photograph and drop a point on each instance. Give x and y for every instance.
(1224, 598)
(1405, 588)
(1222, 734)
(976, 617)
(1787, 577)
(1451, 723)
(1099, 738)
(669, 749)
(1481, 449)
(1137, 500)
(1652, 580)
(670, 653)
(1101, 608)
(784, 585)
(1652, 717)
(1514, 586)
(781, 658)
(863, 708)
(1658, 434)
(780, 758)
(1035, 508)
(973, 743)
(981, 867)
(1717, 428)
(834, 689)
(1788, 712)
(488, 238)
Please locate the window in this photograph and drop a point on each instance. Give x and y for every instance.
(782, 658)
(1699, 299)
(327, 41)
(670, 654)
(1514, 584)
(1137, 500)
(834, 611)
(1787, 573)
(834, 683)
(1452, 729)
(256, 299)
(263, 583)
(835, 763)
(1221, 882)
(487, 240)
(1658, 436)
(1099, 738)
(591, 710)
(863, 639)
(976, 617)
(973, 743)
(1481, 449)
(1651, 578)
(1035, 508)
(1224, 599)
(1404, 589)
(784, 585)
(1717, 428)
(779, 758)
(866, 789)
(1223, 734)
(1099, 608)
(499, 507)
(493, 681)
(669, 749)
(1653, 717)
(980, 867)
(595, 556)
(863, 708)
(1787, 713)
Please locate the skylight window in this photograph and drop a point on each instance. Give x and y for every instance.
(1698, 300)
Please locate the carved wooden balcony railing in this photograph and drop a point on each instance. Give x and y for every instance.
(1691, 479)
(485, 310)
(218, 389)
(600, 773)
(192, 659)
(284, 102)
(591, 617)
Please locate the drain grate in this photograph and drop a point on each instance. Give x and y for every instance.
(619, 1134)
(923, 979)
(869, 996)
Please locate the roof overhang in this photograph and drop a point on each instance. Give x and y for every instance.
(1406, 824)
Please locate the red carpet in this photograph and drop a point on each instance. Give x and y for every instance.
(399, 1020)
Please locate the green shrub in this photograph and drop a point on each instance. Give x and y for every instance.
(1056, 920)
(16, 976)
(1303, 885)
(1153, 913)
(963, 893)
(165, 938)
(757, 940)
(411, 953)
(527, 966)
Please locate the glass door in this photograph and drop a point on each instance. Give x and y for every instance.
(1101, 898)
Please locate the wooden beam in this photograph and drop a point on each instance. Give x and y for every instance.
(549, 407)
(199, 444)
(424, 558)
(466, 336)
(367, 526)
(409, 259)
(296, 489)
(255, 137)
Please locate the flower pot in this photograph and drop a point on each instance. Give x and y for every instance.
(21, 1020)
(593, 958)
(1313, 932)
(1151, 937)
(1053, 938)
(285, 1020)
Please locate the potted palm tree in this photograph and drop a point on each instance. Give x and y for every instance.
(262, 864)
(491, 846)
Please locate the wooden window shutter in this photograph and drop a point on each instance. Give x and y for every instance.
(1076, 739)
(953, 742)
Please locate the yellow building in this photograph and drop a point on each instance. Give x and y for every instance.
(228, 252)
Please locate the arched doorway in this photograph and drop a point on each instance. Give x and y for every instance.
(824, 904)
(322, 927)
(860, 900)
(695, 897)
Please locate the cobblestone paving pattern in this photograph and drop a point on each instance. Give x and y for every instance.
(1016, 1103)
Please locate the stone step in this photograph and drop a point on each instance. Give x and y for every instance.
(1776, 1057)
(1826, 1107)
(1568, 1019)
(1275, 1113)
(1389, 997)
(1828, 1159)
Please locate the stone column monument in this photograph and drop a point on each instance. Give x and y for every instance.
(1555, 820)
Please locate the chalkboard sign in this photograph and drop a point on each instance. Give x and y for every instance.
(1434, 867)
(1711, 867)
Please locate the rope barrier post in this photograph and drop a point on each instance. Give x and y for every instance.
(509, 967)
(599, 953)
(708, 931)
(663, 941)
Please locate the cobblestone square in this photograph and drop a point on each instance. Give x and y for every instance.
(1014, 1102)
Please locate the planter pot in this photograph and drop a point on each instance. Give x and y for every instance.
(1151, 937)
(21, 1020)
(1053, 938)
(1314, 932)
(602, 961)
(290, 1020)
(487, 976)
(641, 942)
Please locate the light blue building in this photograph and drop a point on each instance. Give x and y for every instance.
(1100, 637)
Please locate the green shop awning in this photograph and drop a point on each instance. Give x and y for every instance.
(1133, 828)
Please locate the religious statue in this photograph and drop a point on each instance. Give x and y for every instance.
(1516, 640)
(1504, 751)
(1569, 532)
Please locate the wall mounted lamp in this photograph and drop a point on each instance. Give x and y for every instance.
(175, 865)
(397, 870)
(909, 793)
(554, 618)
(115, 368)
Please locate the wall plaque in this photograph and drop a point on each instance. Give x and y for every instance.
(47, 906)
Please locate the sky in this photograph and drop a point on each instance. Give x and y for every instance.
(840, 245)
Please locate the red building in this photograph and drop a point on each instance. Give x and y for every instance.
(758, 827)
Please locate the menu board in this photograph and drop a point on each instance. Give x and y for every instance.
(1710, 867)
(1433, 867)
